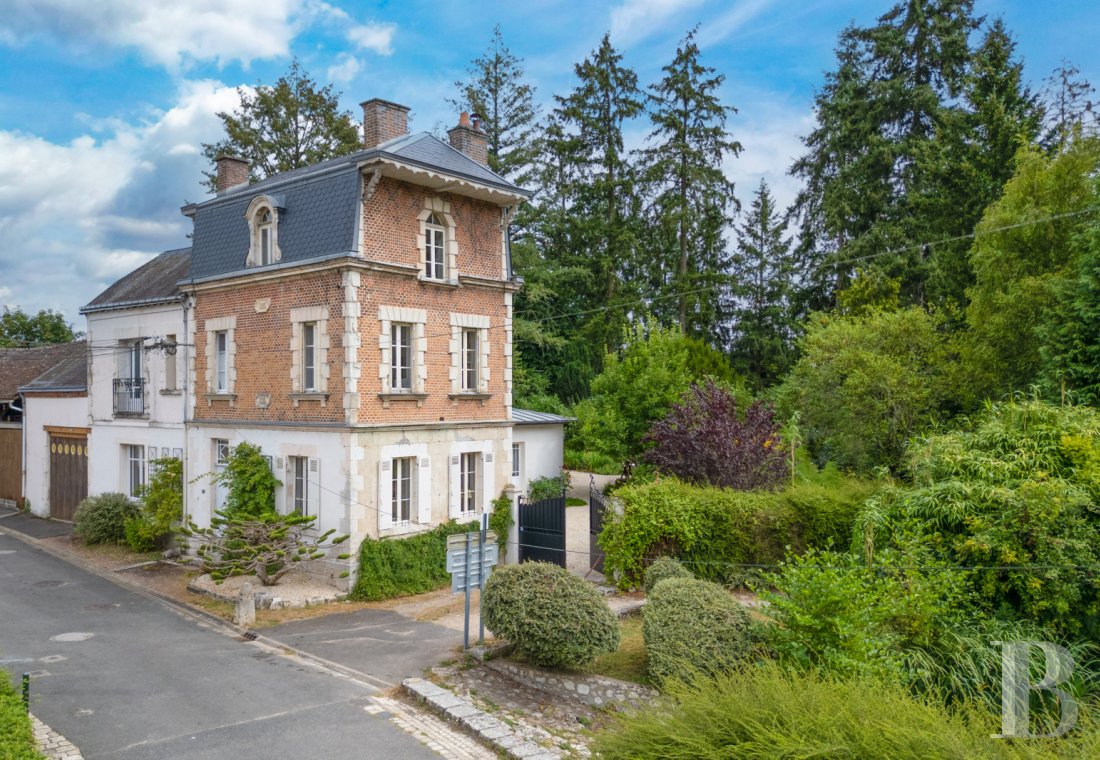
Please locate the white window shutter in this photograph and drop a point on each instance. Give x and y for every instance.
(313, 489)
(423, 491)
(487, 481)
(385, 494)
(454, 485)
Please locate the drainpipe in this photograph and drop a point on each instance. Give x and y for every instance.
(186, 400)
(23, 437)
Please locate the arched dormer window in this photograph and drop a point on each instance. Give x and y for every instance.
(435, 247)
(438, 247)
(263, 225)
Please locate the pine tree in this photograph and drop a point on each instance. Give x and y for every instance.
(876, 154)
(763, 272)
(292, 124)
(496, 90)
(1071, 343)
(1070, 108)
(691, 195)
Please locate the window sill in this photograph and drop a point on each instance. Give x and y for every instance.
(171, 392)
(310, 396)
(386, 398)
(404, 529)
(131, 415)
(449, 283)
(482, 397)
(212, 397)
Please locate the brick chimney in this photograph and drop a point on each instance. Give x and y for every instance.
(468, 138)
(231, 171)
(383, 121)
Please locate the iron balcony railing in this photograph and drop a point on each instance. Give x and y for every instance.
(129, 395)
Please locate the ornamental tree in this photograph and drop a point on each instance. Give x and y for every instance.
(706, 440)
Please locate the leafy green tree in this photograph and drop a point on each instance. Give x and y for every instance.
(638, 387)
(249, 481)
(864, 385)
(763, 284)
(691, 196)
(18, 329)
(496, 90)
(287, 126)
(1070, 341)
(1023, 256)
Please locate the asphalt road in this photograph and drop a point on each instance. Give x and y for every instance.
(124, 677)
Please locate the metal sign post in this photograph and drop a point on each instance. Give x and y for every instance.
(481, 579)
(470, 568)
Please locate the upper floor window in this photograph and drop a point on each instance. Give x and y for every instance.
(221, 361)
(263, 224)
(435, 239)
(309, 357)
(470, 360)
(401, 357)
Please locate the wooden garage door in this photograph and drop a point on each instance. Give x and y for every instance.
(68, 474)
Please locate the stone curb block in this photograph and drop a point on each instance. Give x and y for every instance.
(485, 727)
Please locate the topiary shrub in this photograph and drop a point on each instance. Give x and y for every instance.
(102, 519)
(662, 569)
(552, 617)
(693, 627)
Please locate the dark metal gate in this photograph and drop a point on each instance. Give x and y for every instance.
(542, 530)
(597, 509)
(68, 473)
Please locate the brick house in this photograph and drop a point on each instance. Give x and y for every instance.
(354, 320)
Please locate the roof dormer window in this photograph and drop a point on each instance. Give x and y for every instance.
(263, 224)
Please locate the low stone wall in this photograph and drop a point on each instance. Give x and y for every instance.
(598, 691)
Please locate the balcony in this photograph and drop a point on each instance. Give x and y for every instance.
(129, 396)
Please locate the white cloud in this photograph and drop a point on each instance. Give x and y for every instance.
(771, 142)
(375, 37)
(74, 217)
(167, 32)
(635, 20)
(731, 21)
(345, 70)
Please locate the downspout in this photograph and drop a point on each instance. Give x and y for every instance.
(186, 402)
(23, 436)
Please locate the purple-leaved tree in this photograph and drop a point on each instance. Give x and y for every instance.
(705, 440)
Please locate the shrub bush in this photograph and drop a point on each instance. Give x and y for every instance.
(714, 530)
(101, 519)
(766, 712)
(547, 488)
(402, 566)
(16, 737)
(662, 569)
(552, 617)
(161, 507)
(693, 627)
(250, 484)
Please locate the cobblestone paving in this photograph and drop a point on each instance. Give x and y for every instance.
(534, 715)
(52, 744)
(431, 731)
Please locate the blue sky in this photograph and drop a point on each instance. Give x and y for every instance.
(103, 105)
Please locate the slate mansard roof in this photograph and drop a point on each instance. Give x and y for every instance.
(152, 283)
(318, 205)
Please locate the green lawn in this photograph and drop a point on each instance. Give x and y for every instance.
(628, 662)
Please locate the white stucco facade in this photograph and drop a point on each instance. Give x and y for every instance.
(145, 418)
(40, 413)
(541, 449)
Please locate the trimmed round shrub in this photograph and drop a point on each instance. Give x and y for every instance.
(662, 569)
(553, 618)
(693, 627)
(102, 519)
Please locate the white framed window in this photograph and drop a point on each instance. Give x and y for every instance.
(299, 475)
(135, 458)
(221, 361)
(403, 482)
(435, 248)
(221, 452)
(469, 480)
(309, 357)
(265, 228)
(401, 357)
(471, 359)
(517, 460)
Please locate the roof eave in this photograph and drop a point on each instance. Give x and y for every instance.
(132, 304)
(417, 172)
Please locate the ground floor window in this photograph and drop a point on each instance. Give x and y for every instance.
(517, 460)
(299, 479)
(135, 457)
(403, 482)
(468, 484)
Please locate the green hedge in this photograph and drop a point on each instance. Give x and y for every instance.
(392, 567)
(16, 738)
(662, 569)
(711, 530)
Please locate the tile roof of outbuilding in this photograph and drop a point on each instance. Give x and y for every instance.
(153, 282)
(20, 366)
(70, 373)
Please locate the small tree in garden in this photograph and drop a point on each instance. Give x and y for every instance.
(269, 545)
(161, 506)
(250, 483)
(705, 440)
